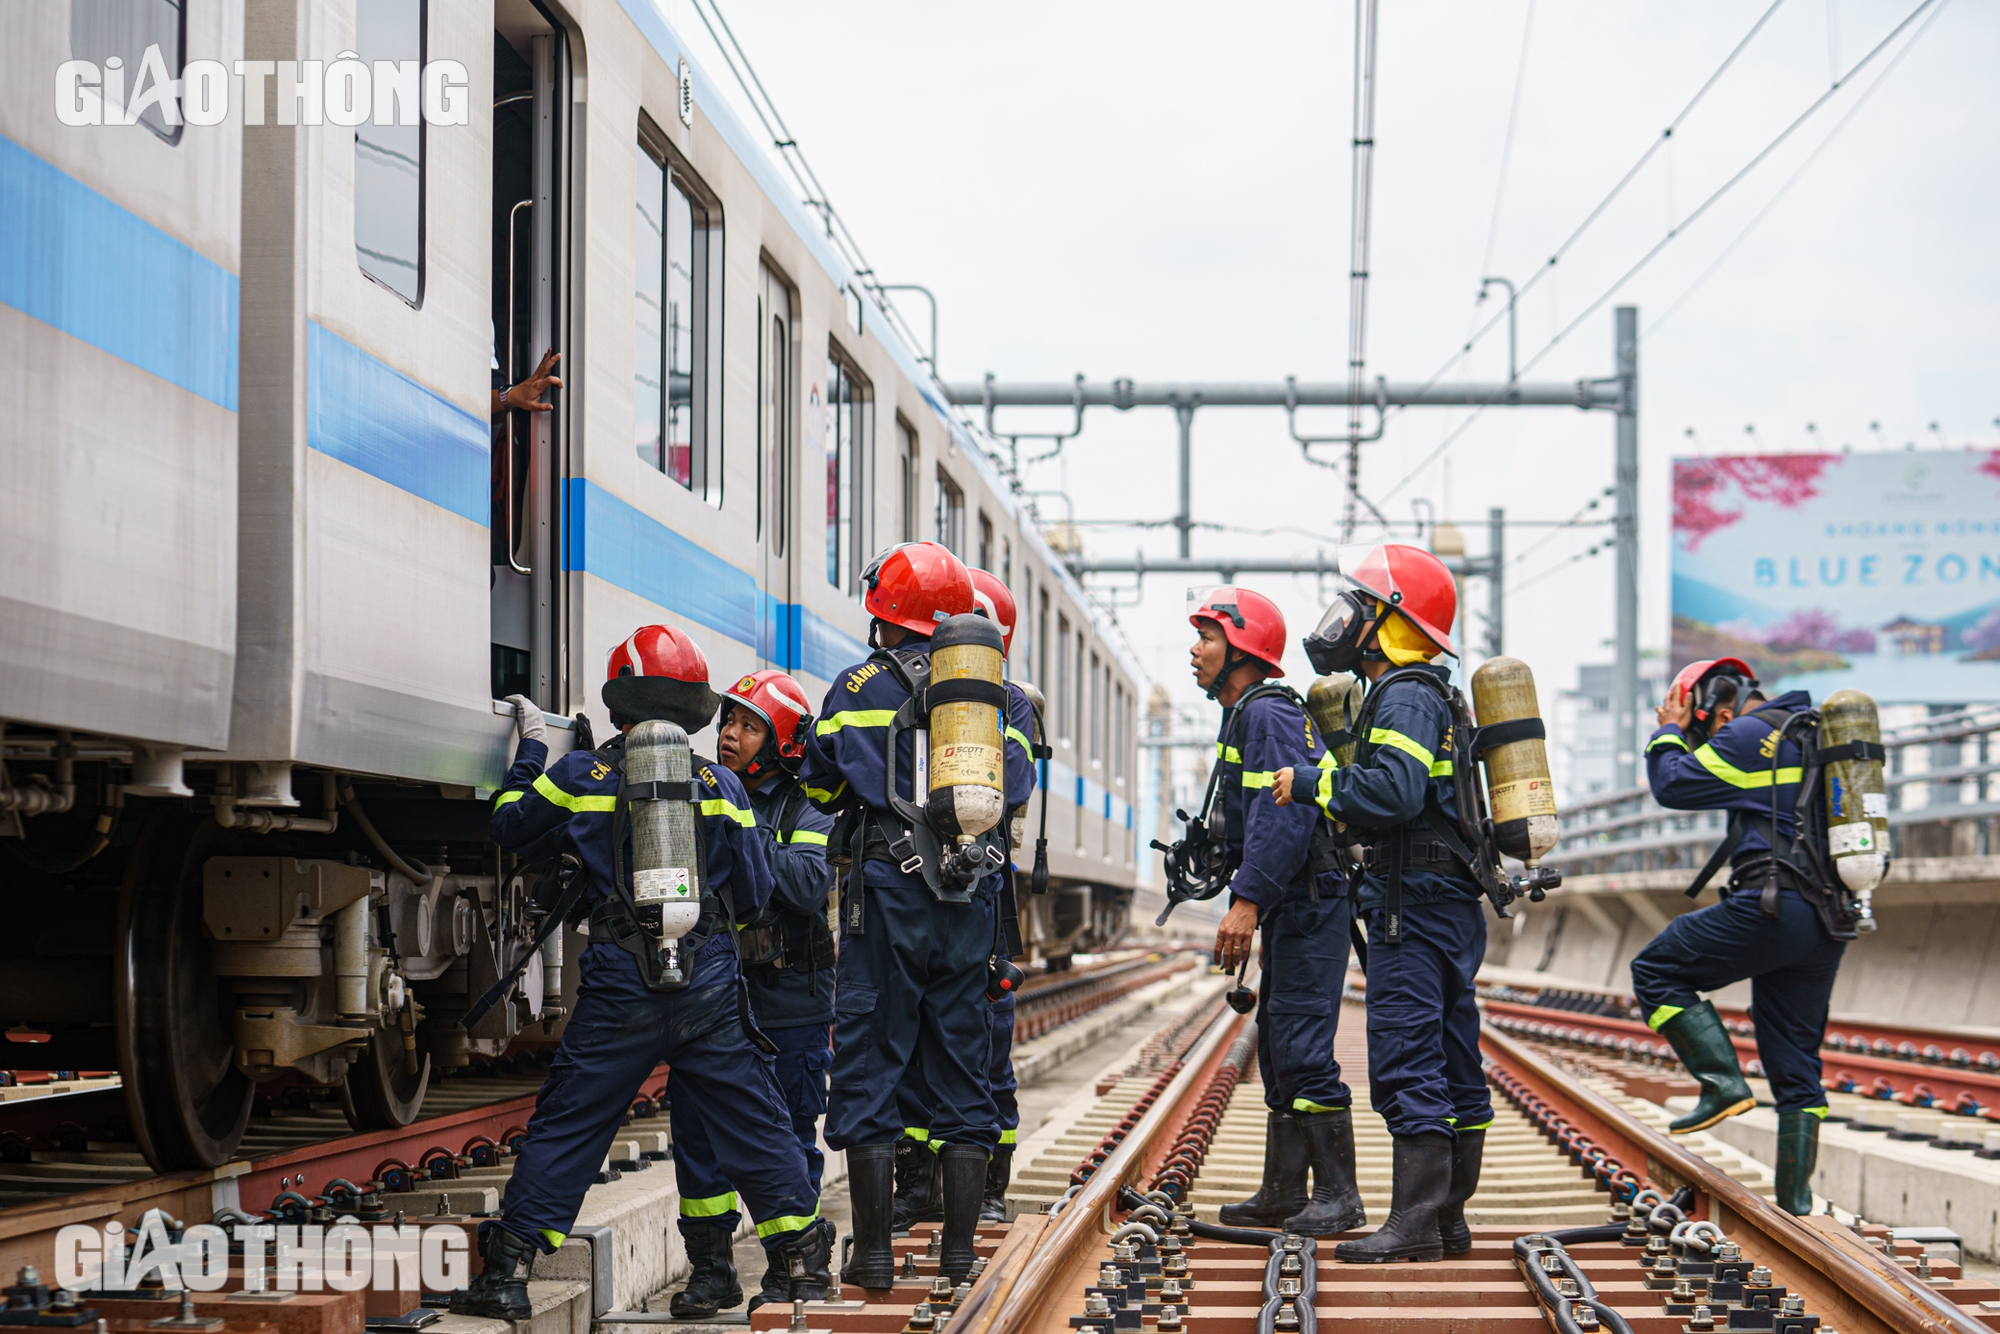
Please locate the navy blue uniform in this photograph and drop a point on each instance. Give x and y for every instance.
(1791, 961)
(620, 1030)
(912, 970)
(1302, 942)
(793, 1001)
(1424, 1075)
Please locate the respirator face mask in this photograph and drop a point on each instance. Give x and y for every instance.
(1335, 643)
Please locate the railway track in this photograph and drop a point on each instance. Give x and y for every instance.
(1176, 1129)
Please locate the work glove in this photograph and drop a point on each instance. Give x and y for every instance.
(528, 719)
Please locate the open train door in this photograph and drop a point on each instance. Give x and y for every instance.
(777, 468)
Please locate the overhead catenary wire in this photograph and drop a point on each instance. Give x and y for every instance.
(1785, 189)
(1654, 251)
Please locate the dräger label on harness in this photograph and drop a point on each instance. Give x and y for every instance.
(659, 886)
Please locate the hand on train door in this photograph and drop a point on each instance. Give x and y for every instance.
(527, 395)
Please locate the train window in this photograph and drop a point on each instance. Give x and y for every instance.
(950, 514)
(1081, 684)
(906, 481)
(986, 542)
(1121, 734)
(1097, 713)
(849, 423)
(101, 31)
(1062, 699)
(1007, 561)
(775, 421)
(389, 159)
(1042, 645)
(675, 380)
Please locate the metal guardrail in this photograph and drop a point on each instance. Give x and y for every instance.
(1943, 777)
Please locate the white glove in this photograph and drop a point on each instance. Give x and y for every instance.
(528, 718)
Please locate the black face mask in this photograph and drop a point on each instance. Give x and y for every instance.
(1335, 645)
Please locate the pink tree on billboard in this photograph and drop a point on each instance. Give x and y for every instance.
(1784, 480)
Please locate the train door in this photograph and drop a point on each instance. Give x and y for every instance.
(530, 236)
(777, 466)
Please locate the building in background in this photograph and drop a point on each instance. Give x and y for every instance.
(1582, 730)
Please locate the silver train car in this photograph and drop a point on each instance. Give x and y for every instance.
(249, 676)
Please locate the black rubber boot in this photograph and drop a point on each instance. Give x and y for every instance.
(916, 1184)
(871, 1176)
(1798, 1153)
(1703, 1045)
(1336, 1201)
(964, 1186)
(1423, 1182)
(799, 1267)
(1465, 1156)
(1284, 1190)
(712, 1285)
(500, 1290)
(993, 1205)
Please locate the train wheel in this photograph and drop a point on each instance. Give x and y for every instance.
(176, 1023)
(380, 1092)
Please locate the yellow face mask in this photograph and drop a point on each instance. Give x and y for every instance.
(1402, 643)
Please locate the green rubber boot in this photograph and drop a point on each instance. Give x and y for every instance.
(1703, 1045)
(1798, 1152)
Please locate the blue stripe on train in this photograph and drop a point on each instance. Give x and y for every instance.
(101, 274)
(373, 417)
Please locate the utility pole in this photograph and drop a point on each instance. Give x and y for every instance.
(1357, 264)
(1625, 702)
(1184, 416)
(1496, 581)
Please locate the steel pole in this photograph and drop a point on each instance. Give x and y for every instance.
(1496, 581)
(1184, 414)
(1625, 702)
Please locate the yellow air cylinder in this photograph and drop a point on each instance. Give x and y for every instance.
(1334, 703)
(1857, 801)
(967, 790)
(1518, 786)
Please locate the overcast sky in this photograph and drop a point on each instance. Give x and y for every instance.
(1161, 190)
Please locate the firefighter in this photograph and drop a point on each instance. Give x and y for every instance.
(622, 1028)
(1420, 897)
(913, 959)
(787, 954)
(917, 1185)
(1286, 888)
(1719, 747)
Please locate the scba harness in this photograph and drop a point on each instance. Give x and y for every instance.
(1450, 842)
(908, 841)
(780, 939)
(1800, 863)
(1199, 865)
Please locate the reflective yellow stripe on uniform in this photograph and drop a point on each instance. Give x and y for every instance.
(1009, 1138)
(1665, 741)
(1441, 769)
(1382, 736)
(833, 722)
(552, 793)
(807, 836)
(1259, 778)
(1308, 1105)
(1015, 735)
(917, 1133)
(1661, 1015)
(771, 1227)
(1820, 1112)
(1323, 794)
(554, 1238)
(508, 798)
(708, 1206)
(1736, 777)
(821, 794)
(717, 806)
(1229, 753)
(1483, 1125)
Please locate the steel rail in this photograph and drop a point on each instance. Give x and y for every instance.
(1854, 1292)
(1016, 1297)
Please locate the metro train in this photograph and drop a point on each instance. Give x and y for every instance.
(249, 682)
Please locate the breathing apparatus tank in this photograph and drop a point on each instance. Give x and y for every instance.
(1857, 802)
(967, 792)
(666, 854)
(1515, 755)
(1335, 703)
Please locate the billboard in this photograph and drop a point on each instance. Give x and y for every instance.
(1825, 571)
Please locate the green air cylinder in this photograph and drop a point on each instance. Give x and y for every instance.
(1334, 703)
(1518, 786)
(1857, 801)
